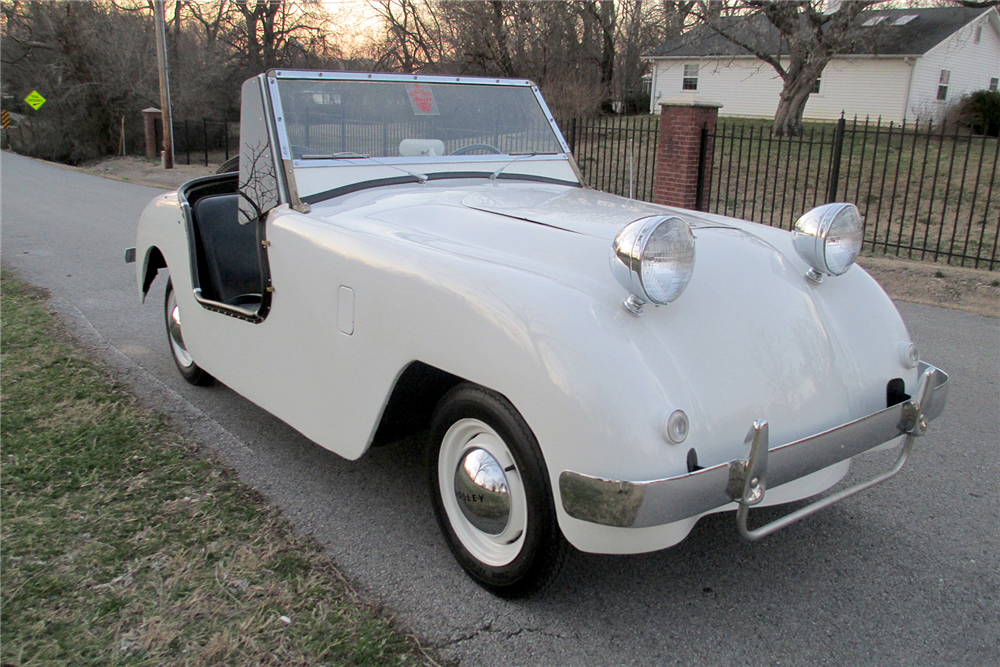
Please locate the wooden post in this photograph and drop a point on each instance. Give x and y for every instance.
(161, 61)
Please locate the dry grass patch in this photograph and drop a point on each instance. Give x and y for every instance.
(120, 546)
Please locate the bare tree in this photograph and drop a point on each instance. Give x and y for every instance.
(93, 63)
(211, 16)
(676, 14)
(643, 25)
(807, 39)
(564, 46)
(412, 40)
(275, 33)
(584, 53)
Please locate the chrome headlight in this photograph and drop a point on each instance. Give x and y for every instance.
(653, 258)
(829, 238)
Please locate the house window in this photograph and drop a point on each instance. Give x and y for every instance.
(903, 20)
(993, 84)
(943, 84)
(815, 88)
(873, 21)
(690, 78)
(979, 34)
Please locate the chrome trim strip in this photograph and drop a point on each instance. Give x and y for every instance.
(253, 315)
(276, 136)
(373, 76)
(552, 121)
(628, 504)
(295, 201)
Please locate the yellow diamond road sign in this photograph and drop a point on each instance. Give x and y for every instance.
(35, 100)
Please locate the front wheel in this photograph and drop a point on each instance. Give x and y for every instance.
(191, 371)
(491, 493)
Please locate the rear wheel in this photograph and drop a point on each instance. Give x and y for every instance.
(191, 371)
(491, 493)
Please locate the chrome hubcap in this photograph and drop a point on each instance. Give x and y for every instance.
(482, 492)
(174, 332)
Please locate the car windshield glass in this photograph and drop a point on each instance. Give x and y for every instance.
(351, 119)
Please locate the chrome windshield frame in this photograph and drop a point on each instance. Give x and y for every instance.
(273, 76)
(289, 165)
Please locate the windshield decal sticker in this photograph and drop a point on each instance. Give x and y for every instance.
(422, 100)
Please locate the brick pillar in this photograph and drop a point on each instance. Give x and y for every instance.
(679, 147)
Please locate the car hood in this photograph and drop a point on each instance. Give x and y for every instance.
(581, 210)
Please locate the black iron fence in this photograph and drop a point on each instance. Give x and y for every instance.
(927, 192)
(615, 154)
(205, 141)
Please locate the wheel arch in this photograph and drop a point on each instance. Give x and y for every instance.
(414, 396)
(152, 263)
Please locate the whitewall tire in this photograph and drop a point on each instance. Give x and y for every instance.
(491, 493)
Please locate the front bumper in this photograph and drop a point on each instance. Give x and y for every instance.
(628, 504)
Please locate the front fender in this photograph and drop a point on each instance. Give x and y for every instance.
(750, 339)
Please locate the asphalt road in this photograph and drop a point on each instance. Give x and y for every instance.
(907, 573)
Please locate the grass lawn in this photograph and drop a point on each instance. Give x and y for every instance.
(120, 546)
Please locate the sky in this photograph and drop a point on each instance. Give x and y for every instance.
(358, 20)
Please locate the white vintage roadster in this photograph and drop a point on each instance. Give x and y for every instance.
(402, 252)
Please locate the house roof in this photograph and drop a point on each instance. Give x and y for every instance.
(915, 36)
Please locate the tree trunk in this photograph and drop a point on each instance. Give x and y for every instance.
(502, 55)
(250, 17)
(795, 93)
(608, 20)
(810, 38)
(174, 33)
(269, 40)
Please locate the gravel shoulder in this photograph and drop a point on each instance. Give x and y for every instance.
(926, 283)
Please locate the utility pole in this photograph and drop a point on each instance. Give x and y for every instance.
(161, 61)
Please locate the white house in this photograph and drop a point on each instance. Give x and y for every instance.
(915, 63)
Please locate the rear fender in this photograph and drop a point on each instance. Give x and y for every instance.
(151, 267)
(161, 243)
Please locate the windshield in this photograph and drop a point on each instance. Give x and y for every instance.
(349, 119)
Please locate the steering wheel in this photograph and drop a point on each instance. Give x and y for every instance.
(469, 148)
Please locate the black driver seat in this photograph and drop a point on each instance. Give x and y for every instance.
(230, 251)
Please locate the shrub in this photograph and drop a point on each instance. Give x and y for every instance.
(981, 111)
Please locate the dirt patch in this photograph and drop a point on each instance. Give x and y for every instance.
(972, 290)
(149, 172)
